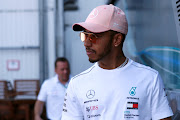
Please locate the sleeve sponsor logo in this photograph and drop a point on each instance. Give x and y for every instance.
(64, 105)
(64, 110)
(164, 90)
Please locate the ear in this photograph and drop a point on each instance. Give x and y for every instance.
(55, 70)
(117, 39)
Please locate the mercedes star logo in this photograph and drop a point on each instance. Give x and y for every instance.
(93, 14)
(90, 94)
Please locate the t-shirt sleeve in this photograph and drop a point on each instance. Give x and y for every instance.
(160, 104)
(42, 96)
(71, 108)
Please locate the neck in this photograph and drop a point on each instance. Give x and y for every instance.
(112, 62)
(62, 81)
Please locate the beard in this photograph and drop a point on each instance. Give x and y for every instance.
(106, 51)
(93, 61)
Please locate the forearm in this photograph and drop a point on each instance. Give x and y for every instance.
(38, 109)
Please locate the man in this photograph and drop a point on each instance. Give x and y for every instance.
(52, 92)
(115, 87)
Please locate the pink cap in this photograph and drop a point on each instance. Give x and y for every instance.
(104, 18)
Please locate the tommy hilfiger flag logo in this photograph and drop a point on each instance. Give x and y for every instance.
(132, 105)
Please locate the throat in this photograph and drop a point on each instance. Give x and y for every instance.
(124, 63)
(63, 81)
(113, 65)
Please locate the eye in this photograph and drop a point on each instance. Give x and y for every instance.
(90, 38)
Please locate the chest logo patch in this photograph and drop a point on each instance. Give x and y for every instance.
(90, 94)
(132, 92)
(132, 105)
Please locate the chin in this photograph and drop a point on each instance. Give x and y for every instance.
(92, 61)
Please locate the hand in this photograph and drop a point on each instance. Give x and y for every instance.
(38, 118)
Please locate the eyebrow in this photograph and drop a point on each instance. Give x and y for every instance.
(87, 31)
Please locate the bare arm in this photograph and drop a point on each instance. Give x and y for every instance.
(38, 109)
(169, 118)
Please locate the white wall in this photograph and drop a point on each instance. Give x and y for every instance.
(19, 23)
(28, 64)
(50, 28)
(19, 39)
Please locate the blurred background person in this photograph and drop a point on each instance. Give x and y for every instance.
(52, 92)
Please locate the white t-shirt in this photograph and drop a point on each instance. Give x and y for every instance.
(52, 92)
(134, 92)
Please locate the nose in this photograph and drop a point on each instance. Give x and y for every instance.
(87, 42)
(65, 71)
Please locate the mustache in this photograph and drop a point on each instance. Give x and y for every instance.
(90, 50)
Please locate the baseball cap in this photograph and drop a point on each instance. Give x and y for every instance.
(104, 18)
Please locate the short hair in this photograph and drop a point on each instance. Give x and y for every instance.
(61, 59)
(115, 32)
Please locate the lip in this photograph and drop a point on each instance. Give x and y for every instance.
(90, 51)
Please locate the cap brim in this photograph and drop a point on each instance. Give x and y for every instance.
(89, 26)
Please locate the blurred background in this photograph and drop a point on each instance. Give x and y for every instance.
(33, 33)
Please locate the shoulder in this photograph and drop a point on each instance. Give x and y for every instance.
(83, 77)
(49, 81)
(146, 75)
(143, 72)
(143, 68)
(79, 82)
(85, 73)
